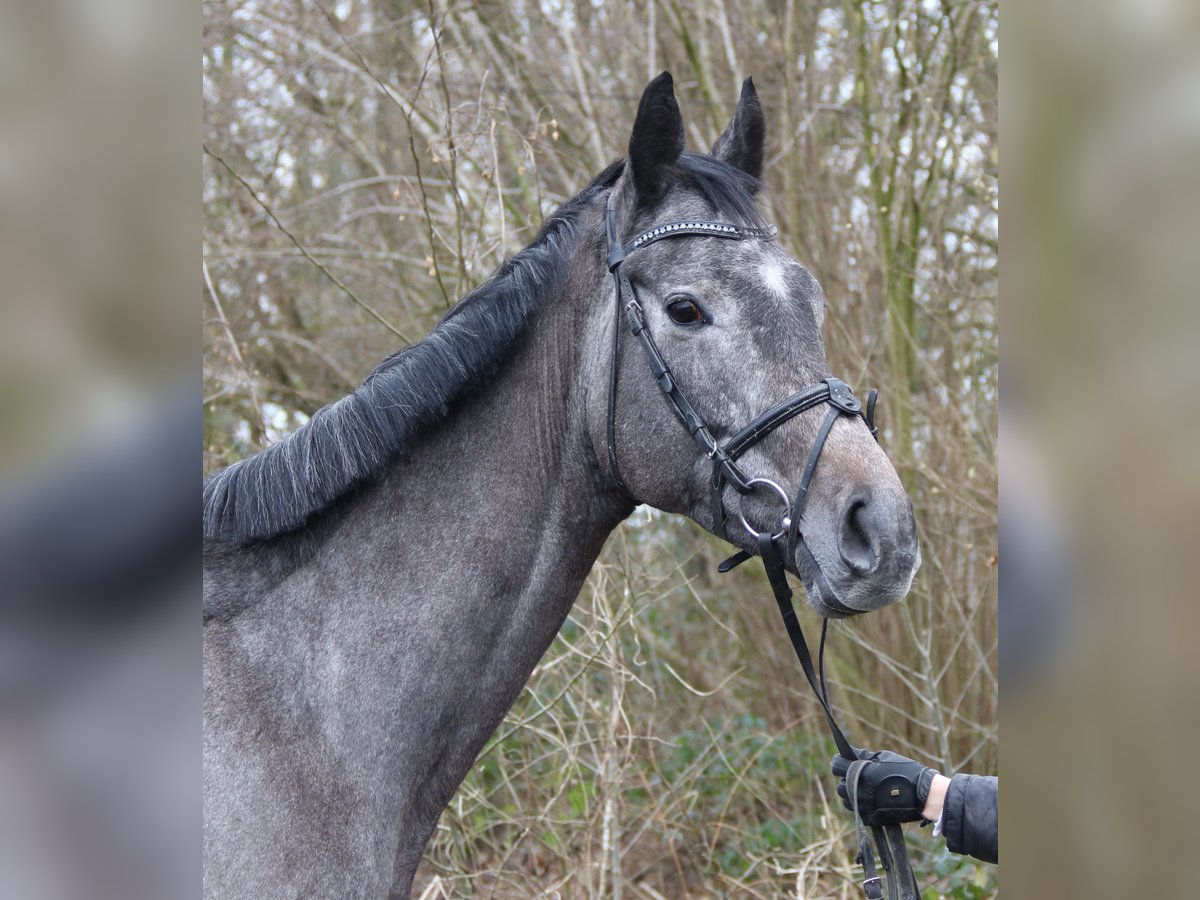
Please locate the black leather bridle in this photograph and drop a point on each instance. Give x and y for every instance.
(889, 840)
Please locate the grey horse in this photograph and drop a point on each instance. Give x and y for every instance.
(380, 584)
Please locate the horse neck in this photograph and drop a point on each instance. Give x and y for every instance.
(446, 582)
(516, 463)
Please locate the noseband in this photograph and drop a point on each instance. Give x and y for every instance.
(725, 470)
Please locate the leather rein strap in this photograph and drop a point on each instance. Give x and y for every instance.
(841, 401)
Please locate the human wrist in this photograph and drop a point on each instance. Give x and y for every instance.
(937, 797)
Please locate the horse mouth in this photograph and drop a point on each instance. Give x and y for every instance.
(868, 595)
(822, 600)
(824, 603)
(827, 607)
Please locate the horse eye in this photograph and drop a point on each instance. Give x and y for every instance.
(685, 312)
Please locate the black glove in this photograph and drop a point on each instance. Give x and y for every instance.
(891, 788)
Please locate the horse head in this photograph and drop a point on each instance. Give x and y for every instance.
(738, 325)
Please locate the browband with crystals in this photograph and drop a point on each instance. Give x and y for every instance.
(711, 229)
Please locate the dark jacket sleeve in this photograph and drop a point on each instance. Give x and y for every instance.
(971, 816)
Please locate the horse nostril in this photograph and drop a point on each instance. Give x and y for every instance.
(855, 541)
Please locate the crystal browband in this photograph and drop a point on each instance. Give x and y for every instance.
(715, 229)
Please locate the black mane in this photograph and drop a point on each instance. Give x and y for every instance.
(353, 440)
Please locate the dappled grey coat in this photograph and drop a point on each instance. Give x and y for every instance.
(971, 816)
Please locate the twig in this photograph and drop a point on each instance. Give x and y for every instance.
(499, 189)
(407, 112)
(349, 293)
(459, 212)
(261, 425)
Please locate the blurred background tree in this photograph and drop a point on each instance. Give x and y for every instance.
(369, 161)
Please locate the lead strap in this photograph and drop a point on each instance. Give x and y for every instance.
(768, 549)
(871, 881)
(889, 840)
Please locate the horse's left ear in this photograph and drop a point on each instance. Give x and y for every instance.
(741, 143)
(657, 139)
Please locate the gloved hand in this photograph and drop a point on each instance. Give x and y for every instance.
(891, 788)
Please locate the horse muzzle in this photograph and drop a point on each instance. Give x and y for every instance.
(865, 559)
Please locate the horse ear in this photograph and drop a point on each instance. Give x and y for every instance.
(657, 139)
(741, 143)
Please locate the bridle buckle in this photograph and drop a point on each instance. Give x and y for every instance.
(715, 452)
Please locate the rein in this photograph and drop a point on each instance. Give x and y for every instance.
(889, 840)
